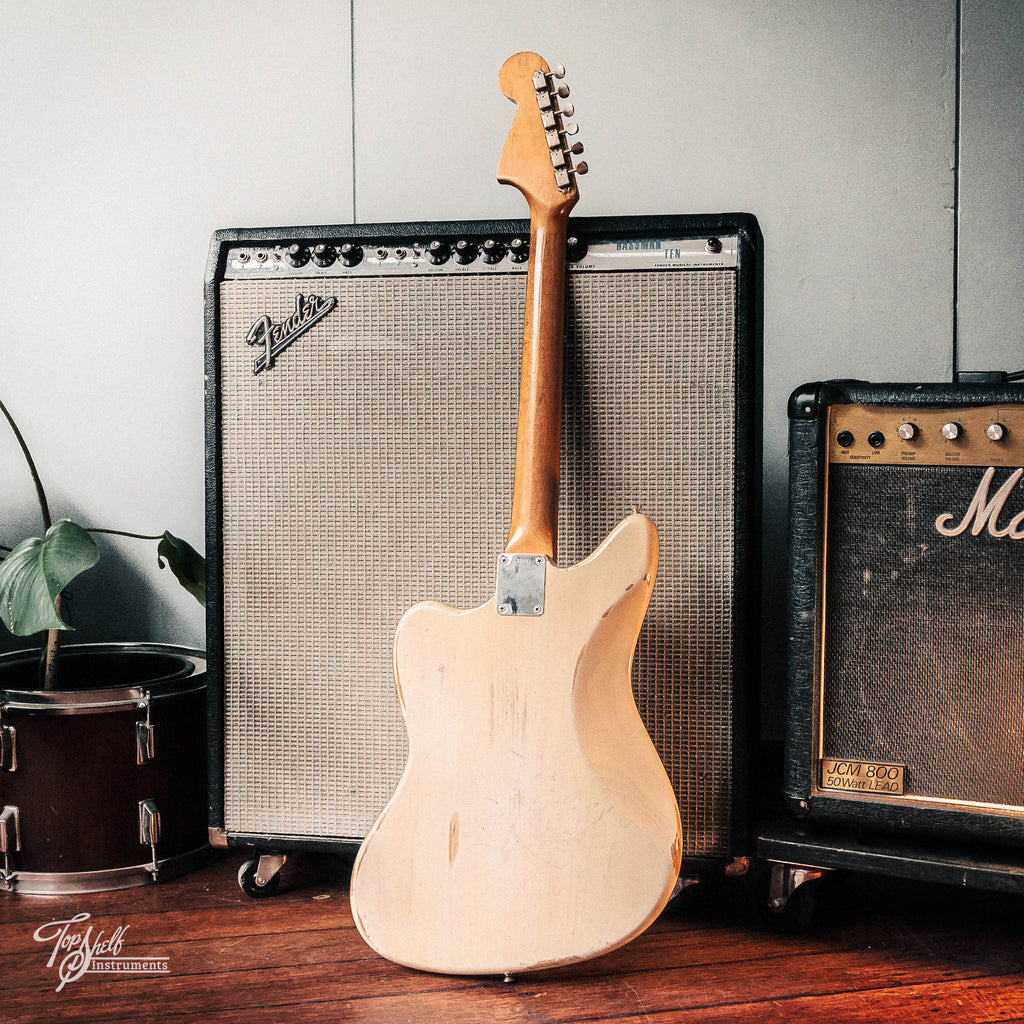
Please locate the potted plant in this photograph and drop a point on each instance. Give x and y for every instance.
(102, 746)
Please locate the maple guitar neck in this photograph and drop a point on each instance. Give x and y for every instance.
(533, 524)
(536, 161)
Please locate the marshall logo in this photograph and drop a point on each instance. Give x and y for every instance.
(275, 338)
(984, 512)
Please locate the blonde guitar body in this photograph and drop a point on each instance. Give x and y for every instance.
(534, 824)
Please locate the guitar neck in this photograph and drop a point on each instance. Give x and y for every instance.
(533, 526)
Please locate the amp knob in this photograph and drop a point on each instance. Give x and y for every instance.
(298, 255)
(907, 431)
(351, 254)
(995, 432)
(575, 249)
(493, 250)
(324, 255)
(465, 251)
(518, 250)
(439, 252)
(951, 430)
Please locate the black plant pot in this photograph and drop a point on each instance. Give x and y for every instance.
(103, 781)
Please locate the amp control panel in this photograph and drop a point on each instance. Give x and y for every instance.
(463, 253)
(982, 435)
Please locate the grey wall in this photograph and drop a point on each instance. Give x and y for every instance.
(990, 207)
(132, 130)
(129, 131)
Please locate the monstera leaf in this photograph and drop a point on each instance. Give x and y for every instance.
(36, 571)
(188, 566)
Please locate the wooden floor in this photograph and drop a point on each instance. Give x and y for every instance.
(881, 951)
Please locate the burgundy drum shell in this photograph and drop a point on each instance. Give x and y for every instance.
(77, 783)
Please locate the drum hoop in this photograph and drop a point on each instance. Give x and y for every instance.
(101, 699)
(53, 883)
(58, 702)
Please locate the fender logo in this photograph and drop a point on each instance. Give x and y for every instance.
(984, 513)
(275, 338)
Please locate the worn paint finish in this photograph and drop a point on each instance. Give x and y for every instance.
(534, 824)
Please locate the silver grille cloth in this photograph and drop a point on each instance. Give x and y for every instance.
(372, 468)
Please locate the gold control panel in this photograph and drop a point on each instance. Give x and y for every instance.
(981, 435)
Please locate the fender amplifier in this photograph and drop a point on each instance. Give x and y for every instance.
(906, 672)
(361, 413)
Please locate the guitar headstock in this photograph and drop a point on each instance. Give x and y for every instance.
(537, 157)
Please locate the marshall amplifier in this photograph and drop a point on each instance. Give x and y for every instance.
(906, 673)
(361, 417)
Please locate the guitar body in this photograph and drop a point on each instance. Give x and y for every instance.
(534, 824)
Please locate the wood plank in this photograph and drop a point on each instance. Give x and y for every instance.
(827, 974)
(984, 1000)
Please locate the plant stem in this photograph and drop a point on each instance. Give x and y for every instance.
(48, 663)
(44, 506)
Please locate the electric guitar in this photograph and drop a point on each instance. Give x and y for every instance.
(534, 824)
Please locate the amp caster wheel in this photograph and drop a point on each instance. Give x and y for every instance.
(259, 878)
(793, 898)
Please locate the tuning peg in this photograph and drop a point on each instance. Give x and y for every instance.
(571, 128)
(558, 71)
(562, 90)
(576, 148)
(581, 167)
